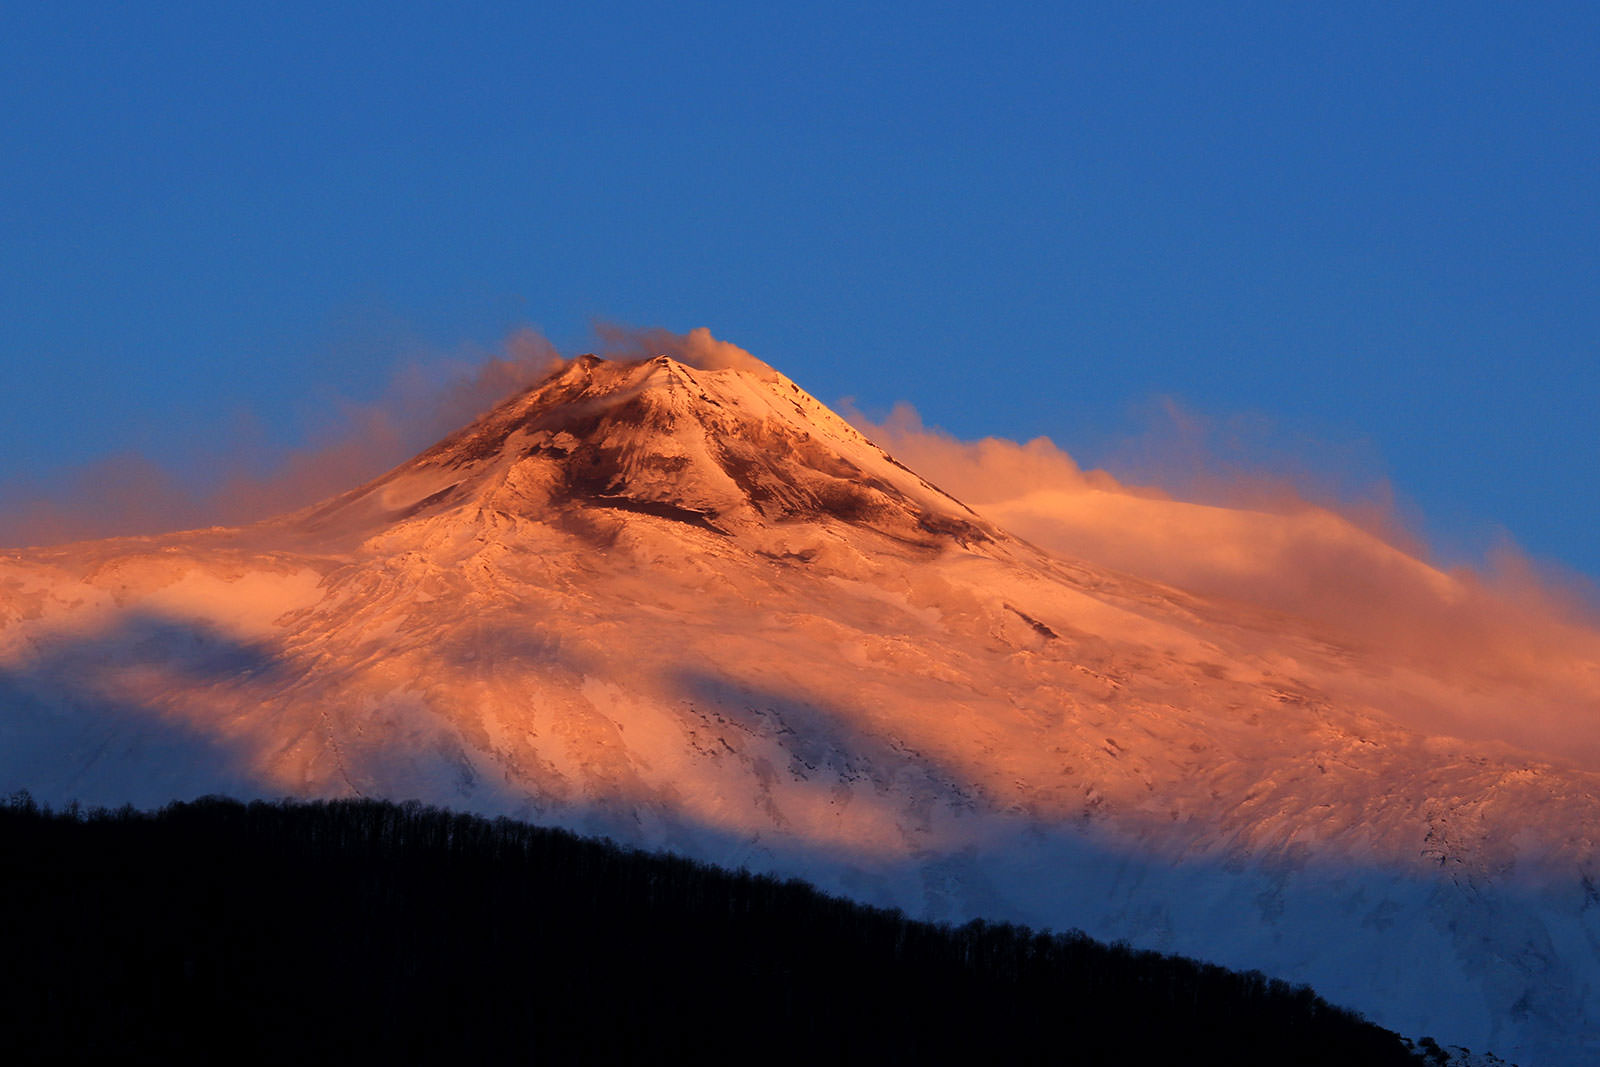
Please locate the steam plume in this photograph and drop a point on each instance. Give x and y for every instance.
(696, 348)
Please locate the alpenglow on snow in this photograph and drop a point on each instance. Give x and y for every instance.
(695, 609)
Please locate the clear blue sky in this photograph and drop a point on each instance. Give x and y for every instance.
(1376, 223)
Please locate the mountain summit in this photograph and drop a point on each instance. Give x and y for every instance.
(723, 450)
(695, 609)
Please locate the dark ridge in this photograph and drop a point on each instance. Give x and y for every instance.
(1039, 627)
(428, 501)
(805, 555)
(961, 531)
(660, 510)
(368, 932)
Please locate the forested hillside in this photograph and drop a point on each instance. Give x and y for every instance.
(360, 931)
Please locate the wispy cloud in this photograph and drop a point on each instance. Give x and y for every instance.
(1508, 650)
(128, 494)
(696, 348)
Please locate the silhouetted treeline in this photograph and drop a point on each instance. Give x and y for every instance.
(359, 931)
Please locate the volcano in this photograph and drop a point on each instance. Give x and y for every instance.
(695, 609)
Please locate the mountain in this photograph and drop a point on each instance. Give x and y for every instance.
(695, 609)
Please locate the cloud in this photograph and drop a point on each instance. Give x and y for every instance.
(697, 348)
(425, 401)
(123, 493)
(130, 495)
(1507, 651)
(1257, 462)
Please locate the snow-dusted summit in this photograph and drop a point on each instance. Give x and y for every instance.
(727, 450)
(695, 609)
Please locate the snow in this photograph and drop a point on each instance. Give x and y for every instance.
(695, 609)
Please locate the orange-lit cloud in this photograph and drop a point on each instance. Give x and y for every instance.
(128, 494)
(1504, 652)
(696, 348)
(123, 493)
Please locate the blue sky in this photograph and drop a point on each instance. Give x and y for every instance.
(1366, 234)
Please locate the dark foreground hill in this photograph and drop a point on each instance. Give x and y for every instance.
(367, 932)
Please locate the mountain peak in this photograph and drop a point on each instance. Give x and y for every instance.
(721, 450)
(692, 607)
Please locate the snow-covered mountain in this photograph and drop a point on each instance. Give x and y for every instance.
(695, 609)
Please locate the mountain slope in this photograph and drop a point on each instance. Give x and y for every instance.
(696, 609)
(728, 451)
